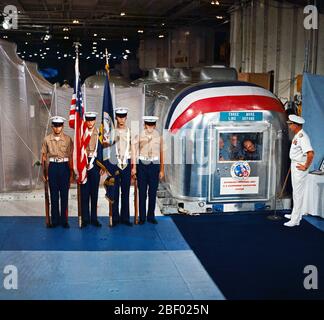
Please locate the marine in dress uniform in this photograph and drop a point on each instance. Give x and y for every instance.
(122, 152)
(89, 190)
(301, 155)
(57, 150)
(148, 150)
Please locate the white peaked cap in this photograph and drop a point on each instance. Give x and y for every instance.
(295, 119)
(152, 119)
(57, 119)
(90, 114)
(121, 111)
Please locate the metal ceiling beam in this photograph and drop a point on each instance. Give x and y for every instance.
(182, 8)
(45, 7)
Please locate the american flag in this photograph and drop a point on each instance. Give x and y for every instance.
(81, 134)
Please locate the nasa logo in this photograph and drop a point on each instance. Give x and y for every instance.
(240, 170)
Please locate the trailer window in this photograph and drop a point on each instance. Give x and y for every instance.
(233, 146)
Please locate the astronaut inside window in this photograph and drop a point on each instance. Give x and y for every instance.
(233, 146)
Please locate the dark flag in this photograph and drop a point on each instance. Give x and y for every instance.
(105, 150)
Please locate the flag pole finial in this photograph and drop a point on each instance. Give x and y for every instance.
(76, 45)
(107, 61)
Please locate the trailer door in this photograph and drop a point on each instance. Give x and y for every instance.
(239, 161)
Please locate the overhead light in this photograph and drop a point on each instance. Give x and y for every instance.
(76, 21)
(65, 55)
(57, 52)
(125, 56)
(47, 48)
(35, 54)
(97, 55)
(5, 25)
(161, 36)
(88, 57)
(215, 3)
(127, 51)
(59, 58)
(125, 39)
(94, 42)
(94, 34)
(115, 57)
(122, 14)
(25, 42)
(65, 29)
(5, 37)
(28, 33)
(103, 39)
(140, 31)
(219, 17)
(66, 38)
(23, 57)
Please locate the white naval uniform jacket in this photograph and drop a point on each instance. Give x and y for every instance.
(298, 154)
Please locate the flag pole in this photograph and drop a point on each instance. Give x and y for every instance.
(110, 202)
(76, 45)
(55, 97)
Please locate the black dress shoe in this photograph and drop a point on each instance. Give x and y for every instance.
(96, 223)
(49, 225)
(154, 221)
(84, 224)
(66, 226)
(141, 222)
(127, 223)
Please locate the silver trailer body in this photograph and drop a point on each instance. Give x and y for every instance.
(194, 119)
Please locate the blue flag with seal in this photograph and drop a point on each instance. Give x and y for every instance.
(106, 140)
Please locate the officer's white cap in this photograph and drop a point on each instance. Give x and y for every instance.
(90, 114)
(57, 119)
(295, 119)
(151, 119)
(121, 111)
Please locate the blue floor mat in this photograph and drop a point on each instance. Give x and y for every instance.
(30, 234)
(251, 257)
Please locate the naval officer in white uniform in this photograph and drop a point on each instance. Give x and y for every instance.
(301, 155)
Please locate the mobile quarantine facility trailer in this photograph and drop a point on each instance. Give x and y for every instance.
(226, 145)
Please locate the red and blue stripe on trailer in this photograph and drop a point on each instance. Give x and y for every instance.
(217, 97)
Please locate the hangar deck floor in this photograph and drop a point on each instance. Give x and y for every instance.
(142, 262)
